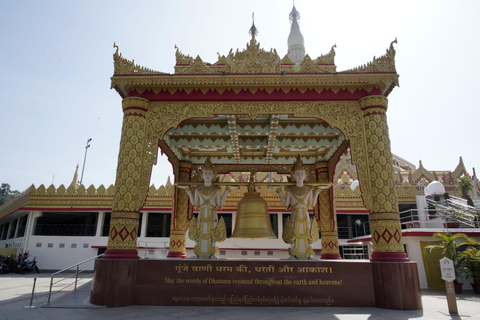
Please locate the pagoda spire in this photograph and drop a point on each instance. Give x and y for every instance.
(75, 179)
(296, 48)
(253, 30)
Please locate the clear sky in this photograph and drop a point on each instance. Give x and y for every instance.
(57, 62)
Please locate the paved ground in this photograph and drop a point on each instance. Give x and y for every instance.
(16, 290)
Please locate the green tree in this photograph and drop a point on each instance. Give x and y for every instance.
(464, 185)
(449, 245)
(6, 194)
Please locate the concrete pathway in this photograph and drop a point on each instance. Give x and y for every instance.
(15, 294)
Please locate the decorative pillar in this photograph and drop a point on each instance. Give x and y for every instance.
(328, 219)
(181, 215)
(380, 194)
(136, 156)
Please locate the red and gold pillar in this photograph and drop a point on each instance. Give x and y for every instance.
(382, 200)
(182, 214)
(328, 219)
(133, 177)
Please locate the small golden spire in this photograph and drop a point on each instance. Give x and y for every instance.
(75, 179)
(253, 30)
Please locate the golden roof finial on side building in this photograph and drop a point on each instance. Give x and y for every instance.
(75, 179)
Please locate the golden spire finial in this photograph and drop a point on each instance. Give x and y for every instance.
(75, 178)
(253, 30)
(298, 165)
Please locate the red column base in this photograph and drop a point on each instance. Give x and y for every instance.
(331, 256)
(389, 257)
(177, 255)
(120, 254)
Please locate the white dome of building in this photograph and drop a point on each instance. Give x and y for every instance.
(435, 187)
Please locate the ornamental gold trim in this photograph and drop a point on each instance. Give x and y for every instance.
(135, 102)
(373, 101)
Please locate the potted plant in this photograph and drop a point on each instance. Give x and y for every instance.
(448, 248)
(470, 261)
(470, 202)
(464, 184)
(436, 198)
(452, 220)
(432, 211)
(446, 196)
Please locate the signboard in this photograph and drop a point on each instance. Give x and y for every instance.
(254, 283)
(447, 268)
(448, 274)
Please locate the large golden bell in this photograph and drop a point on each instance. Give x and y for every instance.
(253, 219)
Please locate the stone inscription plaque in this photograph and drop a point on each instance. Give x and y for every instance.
(254, 283)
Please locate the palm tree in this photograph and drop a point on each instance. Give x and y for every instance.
(449, 247)
(464, 185)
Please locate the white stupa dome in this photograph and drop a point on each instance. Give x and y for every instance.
(435, 187)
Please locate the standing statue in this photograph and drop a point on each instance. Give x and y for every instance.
(298, 230)
(207, 229)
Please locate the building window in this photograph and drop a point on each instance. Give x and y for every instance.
(106, 224)
(269, 253)
(38, 245)
(3, 231)
(257, 253)
(50, 245)
(61, 245)
(85, 245)
(222, 252)
(274, 223)
(22, 225)
(13, 227)
(158, 224)
(73, 246)
(244, 253)
(66, 224)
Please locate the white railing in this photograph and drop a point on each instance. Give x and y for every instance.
(152, 245)
(75, 274)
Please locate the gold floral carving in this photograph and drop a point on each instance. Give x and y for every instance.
(385, 63)
(196, 67)
(309, 66)
(125, 66)
(252, 60)
(328, 58)
(182, 58)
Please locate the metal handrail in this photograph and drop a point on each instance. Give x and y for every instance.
(77, 271)
(449, 207)
(146, 245)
